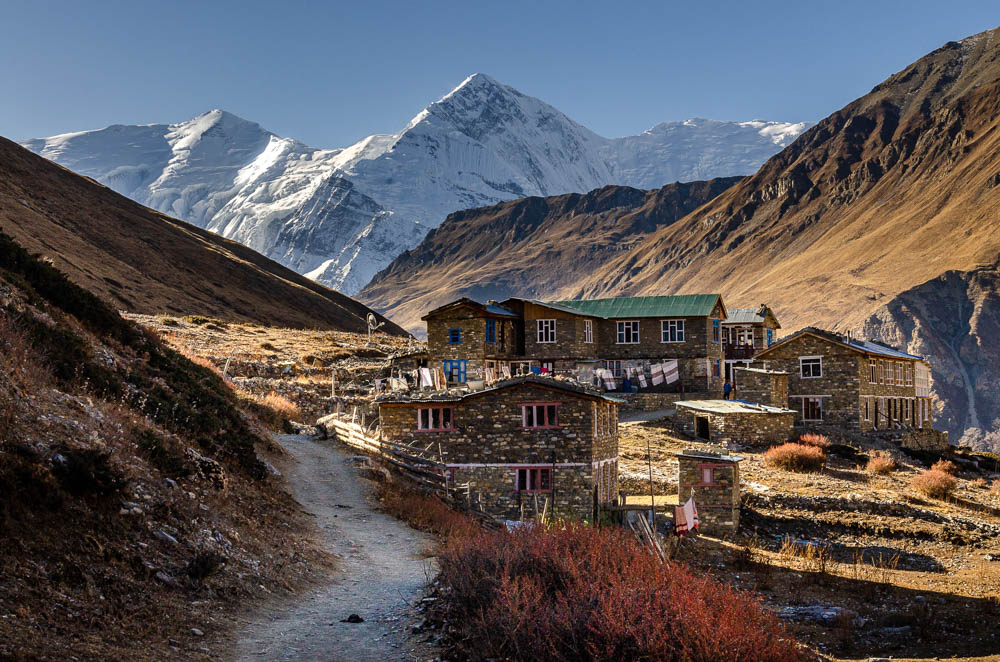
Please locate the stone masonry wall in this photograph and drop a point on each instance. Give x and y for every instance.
(718, 503)
(745, 429)
(569, 335)
(494, 488)
(765, 388)
(839, 384)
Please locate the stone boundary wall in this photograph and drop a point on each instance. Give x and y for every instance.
(651, 401)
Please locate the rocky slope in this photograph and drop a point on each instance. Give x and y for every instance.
(144, 261)
(534, 247)
(340, 215)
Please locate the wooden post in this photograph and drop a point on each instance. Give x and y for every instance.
(652, 500)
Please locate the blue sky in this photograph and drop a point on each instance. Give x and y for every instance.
(329, 73)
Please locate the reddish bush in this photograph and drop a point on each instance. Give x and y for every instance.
(945, 466)
(881, 463)
(795, 457)
(934, 483)
(582, 593)
(820, 441)
(426, 513)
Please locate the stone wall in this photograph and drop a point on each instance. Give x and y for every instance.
(762, 387)
(719, 502)
(651, 401)
(745, 429)
(569, 335)
(494, 489)
(487, 434)
(925, 440)
(839, 386)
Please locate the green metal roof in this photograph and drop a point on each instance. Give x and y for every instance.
(678, 305)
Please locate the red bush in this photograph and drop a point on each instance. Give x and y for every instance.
(586, 594)
(820, 441)
(426, 513)
(795, 457)
(934, 483)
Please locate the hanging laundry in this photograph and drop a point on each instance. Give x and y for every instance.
(670, 372)
(505, 371)
(656, 370)
(426, 380)
(685, 518)
(642, 380)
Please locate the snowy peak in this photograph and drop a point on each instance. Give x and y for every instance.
(341, 215)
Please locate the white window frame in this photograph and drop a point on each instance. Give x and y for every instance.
(868, 409)
(542, 330)
(802, 407)
(588, 331)
(615, 366)
(802, 365)
(620, 329)
(672, 328)
(872, 371)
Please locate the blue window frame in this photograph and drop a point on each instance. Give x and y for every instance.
(770, 338)
(454, 371)
(491, 330)
(454, 336)
(715, 330)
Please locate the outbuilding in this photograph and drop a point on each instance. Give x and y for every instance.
(724, 422)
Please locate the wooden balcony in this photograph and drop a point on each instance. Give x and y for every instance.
(734, 352)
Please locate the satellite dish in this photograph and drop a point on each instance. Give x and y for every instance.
(373, 325)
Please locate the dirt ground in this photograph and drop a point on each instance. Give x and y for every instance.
(382, 566)
(919, 578)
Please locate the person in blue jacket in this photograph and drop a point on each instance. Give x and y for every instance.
(727, 390)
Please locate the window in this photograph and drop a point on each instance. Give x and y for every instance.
(588, 330)
(881, 371)
(872, 371)
(670, 330)
(715, 330)
(540, 415)
(628, 332)
(909, 374)
(434, 418)
(715, 367)
(454, 336)
(744, 335)
(546, 331)
(615, 367)
(770, 337)
(491, 331)
(811, 367)
(812, 409)
(707, 475)
(547, 367)
(898, 369)
(534, 480)
(454, 371)
(867, 410)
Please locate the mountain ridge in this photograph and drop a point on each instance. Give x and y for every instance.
(340, 215)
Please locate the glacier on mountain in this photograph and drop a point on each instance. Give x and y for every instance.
(341, 215)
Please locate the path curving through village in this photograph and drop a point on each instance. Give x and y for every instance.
(381, 573)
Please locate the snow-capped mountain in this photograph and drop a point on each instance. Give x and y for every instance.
(341, 215)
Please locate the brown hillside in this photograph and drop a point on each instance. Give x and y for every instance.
(146, 262)
(528, 247)
(883, 195)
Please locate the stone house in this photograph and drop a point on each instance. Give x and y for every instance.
(745, 332)
(713, 479)
(764, 387)
(726, 422)
(627, 332)
(856, 385)
(465, 336)
(517, 444)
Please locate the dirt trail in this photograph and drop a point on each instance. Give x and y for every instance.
(380, 574)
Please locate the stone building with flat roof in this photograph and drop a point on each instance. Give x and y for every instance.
(713, 480)
(735, 422)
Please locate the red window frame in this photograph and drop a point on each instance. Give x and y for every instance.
(430, 419)
(548, 410)
(534, 479)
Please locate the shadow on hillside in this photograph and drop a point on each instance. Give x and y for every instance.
(895, 620)
(854, 476)
(978, 508)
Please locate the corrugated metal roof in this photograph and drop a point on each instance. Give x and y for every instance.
(554, 305)
(744, 316)
(499, 310)
(876, 348)
(866, 346)
(678, 305)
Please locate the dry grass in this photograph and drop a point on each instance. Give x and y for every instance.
(934, 483)
(820, 441)
(795, 457)
(945, 466)
(981, 483)
(881, 463)
(279, 403)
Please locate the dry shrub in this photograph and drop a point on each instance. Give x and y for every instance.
(820, 441)
(995, 488)
(945, 466)
(282, 405)
(582, 593)
(427, 513)
(21, 375)
(881, 463)
(934, 483)
(795, 457)
(980, 483)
